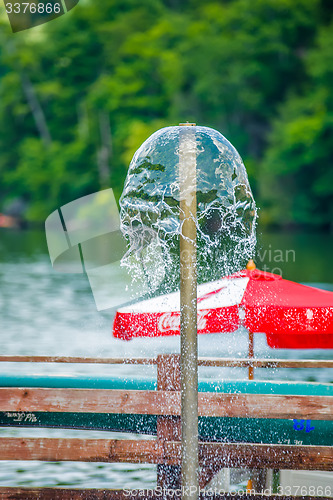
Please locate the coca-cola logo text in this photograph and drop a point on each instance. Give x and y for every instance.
(171, 322)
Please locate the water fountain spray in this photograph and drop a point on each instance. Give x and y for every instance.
(187, 189)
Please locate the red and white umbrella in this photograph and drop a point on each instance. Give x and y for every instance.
(290, 314)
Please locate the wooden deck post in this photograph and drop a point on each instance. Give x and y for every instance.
(168, 427)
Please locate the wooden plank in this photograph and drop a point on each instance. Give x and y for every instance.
(14, 399)
(87, 400)
(13, 493)
(76, 359)
(83, 450)
(168, 427)
(259, 456)
(266, 406)
(203, 361)
(265, 363)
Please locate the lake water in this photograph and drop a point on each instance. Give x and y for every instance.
(45, 312)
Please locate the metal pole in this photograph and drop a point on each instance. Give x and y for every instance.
(250, 266)
(188, 313)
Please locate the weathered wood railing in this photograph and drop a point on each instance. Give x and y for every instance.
(165, 403)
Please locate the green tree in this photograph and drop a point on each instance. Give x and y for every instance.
(81, 93)
(298, 173)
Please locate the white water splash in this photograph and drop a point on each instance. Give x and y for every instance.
(226, 211)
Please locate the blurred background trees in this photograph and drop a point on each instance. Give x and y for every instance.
(80, 94)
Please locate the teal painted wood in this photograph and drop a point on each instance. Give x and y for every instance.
(246, 430)
(139, 424)
(210, 428)
(270, 431)
(77, 382)
(137, 383)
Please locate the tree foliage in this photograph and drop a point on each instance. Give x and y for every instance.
(81, 93)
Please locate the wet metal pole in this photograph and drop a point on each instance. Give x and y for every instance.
(250, 266)
(188, 312)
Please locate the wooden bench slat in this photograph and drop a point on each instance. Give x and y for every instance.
(83, 450)
(202, 361)
(11, 493)
(14, 399)
(76, 359)
(259, 456)
(265, 363)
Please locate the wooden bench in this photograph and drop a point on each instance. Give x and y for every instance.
(164, 403)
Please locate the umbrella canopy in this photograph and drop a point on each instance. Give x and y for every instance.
(290, 314)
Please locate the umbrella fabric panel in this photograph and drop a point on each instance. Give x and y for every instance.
(130, 325)
(300, 341)
(217, 311)
(292, 315)
(267, 289)
(283, 320)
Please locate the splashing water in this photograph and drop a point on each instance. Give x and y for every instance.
(226, 211)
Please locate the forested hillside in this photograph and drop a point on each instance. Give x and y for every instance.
(79, 94)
